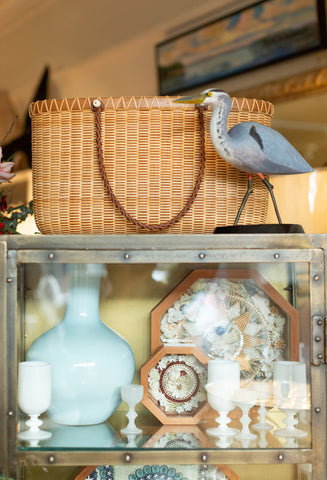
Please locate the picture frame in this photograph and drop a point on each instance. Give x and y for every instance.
(231, 314)
(174, 380)
(301, 85)
(238, 42)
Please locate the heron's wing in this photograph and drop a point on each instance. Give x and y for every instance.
(278, 156)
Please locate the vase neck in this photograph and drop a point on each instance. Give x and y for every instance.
(83, 292)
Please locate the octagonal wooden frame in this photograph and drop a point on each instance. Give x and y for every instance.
(233, 274)
(153, 405)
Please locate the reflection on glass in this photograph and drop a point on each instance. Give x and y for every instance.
(133, 291)
(101, 435)
(245, 399)
(290, 395)
(264, 394)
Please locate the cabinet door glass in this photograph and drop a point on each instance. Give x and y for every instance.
(166, 471)
(222, 352)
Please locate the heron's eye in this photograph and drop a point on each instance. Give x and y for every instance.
(209, 94)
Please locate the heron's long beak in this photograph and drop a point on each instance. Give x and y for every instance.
(192, 99)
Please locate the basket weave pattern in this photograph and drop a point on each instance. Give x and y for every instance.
(152, 153)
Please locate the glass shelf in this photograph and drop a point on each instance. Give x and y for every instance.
(175, 437)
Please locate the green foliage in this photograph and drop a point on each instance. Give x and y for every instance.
(11, 217)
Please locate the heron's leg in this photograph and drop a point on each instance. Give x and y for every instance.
(270, 188)
(245, 198)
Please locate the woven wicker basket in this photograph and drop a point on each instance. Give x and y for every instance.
(151, 153)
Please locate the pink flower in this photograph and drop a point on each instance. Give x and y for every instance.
(5, 168)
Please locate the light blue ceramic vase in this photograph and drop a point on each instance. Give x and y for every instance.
(90, 362)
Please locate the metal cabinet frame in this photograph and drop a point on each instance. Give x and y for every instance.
(197, 249)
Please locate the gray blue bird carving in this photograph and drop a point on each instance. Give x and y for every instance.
(249, 146)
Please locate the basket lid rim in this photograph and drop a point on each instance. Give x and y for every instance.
(140, 103)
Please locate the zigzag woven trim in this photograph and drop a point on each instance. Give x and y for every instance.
(139, 103)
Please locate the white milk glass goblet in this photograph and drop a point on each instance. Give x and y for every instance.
(132, 395)
(290, 395)
(223, 380)
(34, 396)
(221, 402)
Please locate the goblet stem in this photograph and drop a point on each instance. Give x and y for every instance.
(131, 427)
(245, 434)
(34, 423)
(223, 430)
(223, 421)
(262, 424)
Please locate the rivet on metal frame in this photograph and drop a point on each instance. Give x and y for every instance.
(51, 256)
(281, 457)
(317, 409)
(201, 256)
(204, 457)
(128, 457)
(316, 278)
(9, 280)
(276, 256)
(127, 256)
(51, 459)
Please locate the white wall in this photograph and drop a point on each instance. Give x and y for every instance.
(125, 69)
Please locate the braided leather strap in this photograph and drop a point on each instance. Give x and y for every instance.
(97, 108)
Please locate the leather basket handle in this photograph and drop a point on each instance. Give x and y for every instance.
(97, 107)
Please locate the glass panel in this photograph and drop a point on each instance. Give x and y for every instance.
(245, 326)
(176, 472)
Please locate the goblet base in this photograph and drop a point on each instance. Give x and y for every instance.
(264, 426)
(130, 431)
(28, 435)
(291, 433)
(226, 432)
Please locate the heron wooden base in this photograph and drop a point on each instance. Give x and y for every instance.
(264, 228)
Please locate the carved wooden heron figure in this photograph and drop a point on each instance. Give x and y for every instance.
(249, 146)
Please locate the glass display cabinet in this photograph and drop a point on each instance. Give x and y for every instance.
(224, 334)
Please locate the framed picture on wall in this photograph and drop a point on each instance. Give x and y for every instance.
(260, 34)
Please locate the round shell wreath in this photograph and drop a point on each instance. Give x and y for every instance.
(177, 383)
(230, 319)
